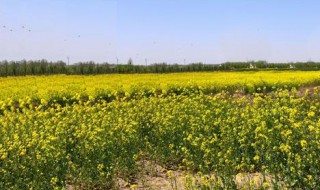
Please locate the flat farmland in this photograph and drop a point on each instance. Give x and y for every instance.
(205, 129)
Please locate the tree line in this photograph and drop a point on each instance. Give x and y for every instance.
(44, 67)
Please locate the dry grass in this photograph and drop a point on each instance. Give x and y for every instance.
(155, 177)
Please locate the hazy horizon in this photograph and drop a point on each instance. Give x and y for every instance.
(160, 31)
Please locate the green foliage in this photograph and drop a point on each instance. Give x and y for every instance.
(43, 67)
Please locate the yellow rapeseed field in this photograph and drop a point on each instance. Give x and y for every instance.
(46, 87)
(89, 131)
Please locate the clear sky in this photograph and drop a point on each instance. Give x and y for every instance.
(172, 31)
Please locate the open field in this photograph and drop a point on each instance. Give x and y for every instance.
(132, 85)
(205, 129)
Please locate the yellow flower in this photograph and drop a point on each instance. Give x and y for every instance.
(311, 128)
(285, 148)
(54, 181)
(311, 114)
(256, 158)
(303, 143)
(133, 186)
(22, 152)
(100, 167)
(4, 156)
(266, 185)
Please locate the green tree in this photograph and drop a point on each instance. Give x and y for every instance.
(130, 62)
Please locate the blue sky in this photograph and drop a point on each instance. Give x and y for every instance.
(169, 31)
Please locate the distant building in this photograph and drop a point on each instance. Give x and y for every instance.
(252, 66)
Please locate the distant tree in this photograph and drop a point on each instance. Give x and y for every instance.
(130, 62)
(24, 66)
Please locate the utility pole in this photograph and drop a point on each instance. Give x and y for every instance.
(117, 61)
(68, 60)
(146, 60)
(184, 61)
